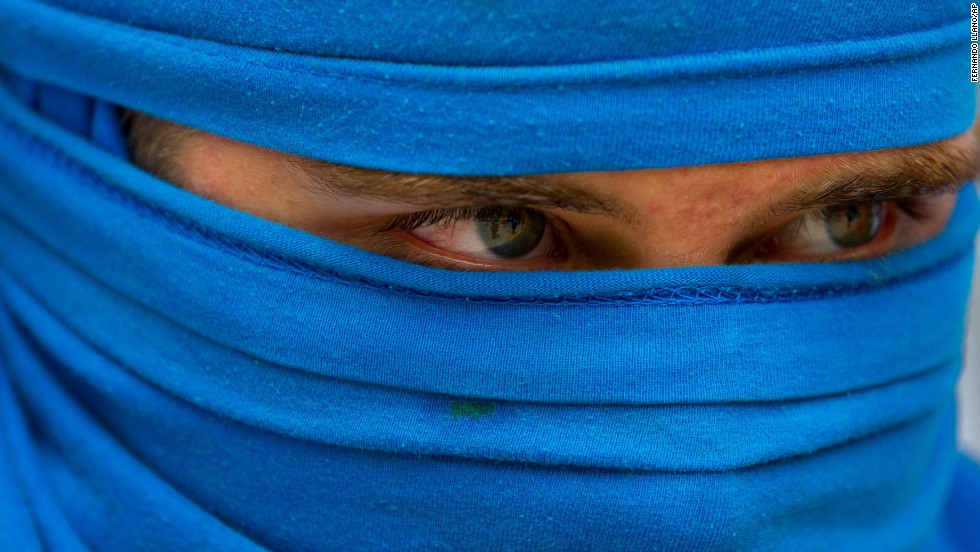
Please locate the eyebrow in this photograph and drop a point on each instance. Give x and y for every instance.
(883, 175)
(438, 191)
(886, 175)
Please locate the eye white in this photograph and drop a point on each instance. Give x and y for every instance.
(508, 235)
(832, 230)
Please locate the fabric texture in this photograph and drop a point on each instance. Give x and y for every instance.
(182, 376)
(178, 375)
(508, 87)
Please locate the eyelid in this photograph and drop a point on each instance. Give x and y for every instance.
(418, 219)
(450, 259)
(915, 208)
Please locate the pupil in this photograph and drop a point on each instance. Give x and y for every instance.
(854, 225)
(510, 233)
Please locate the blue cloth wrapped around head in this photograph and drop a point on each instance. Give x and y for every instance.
(516, 87)
(178, 375)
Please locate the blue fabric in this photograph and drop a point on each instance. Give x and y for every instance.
(178, 375)
(516, 87)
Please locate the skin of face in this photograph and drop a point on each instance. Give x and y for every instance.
(682, 216)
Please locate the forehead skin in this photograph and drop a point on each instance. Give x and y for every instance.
(680, 216)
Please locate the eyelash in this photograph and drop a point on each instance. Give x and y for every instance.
(452, 215)
(914, 207)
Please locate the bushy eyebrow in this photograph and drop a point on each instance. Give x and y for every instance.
(887, 175)
(872, 176)
(440, 191)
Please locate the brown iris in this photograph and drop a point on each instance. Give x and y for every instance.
(853, 225)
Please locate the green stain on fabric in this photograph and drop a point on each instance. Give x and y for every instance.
(470, 409)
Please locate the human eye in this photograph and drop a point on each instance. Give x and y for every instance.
(515, 238)
(857, 230)
(489, 238)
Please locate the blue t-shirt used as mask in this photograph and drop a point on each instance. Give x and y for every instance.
(178, 375)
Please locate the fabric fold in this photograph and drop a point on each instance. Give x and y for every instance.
(657, 107)
(180, 375)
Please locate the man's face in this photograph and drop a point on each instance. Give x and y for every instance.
(820, 208)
